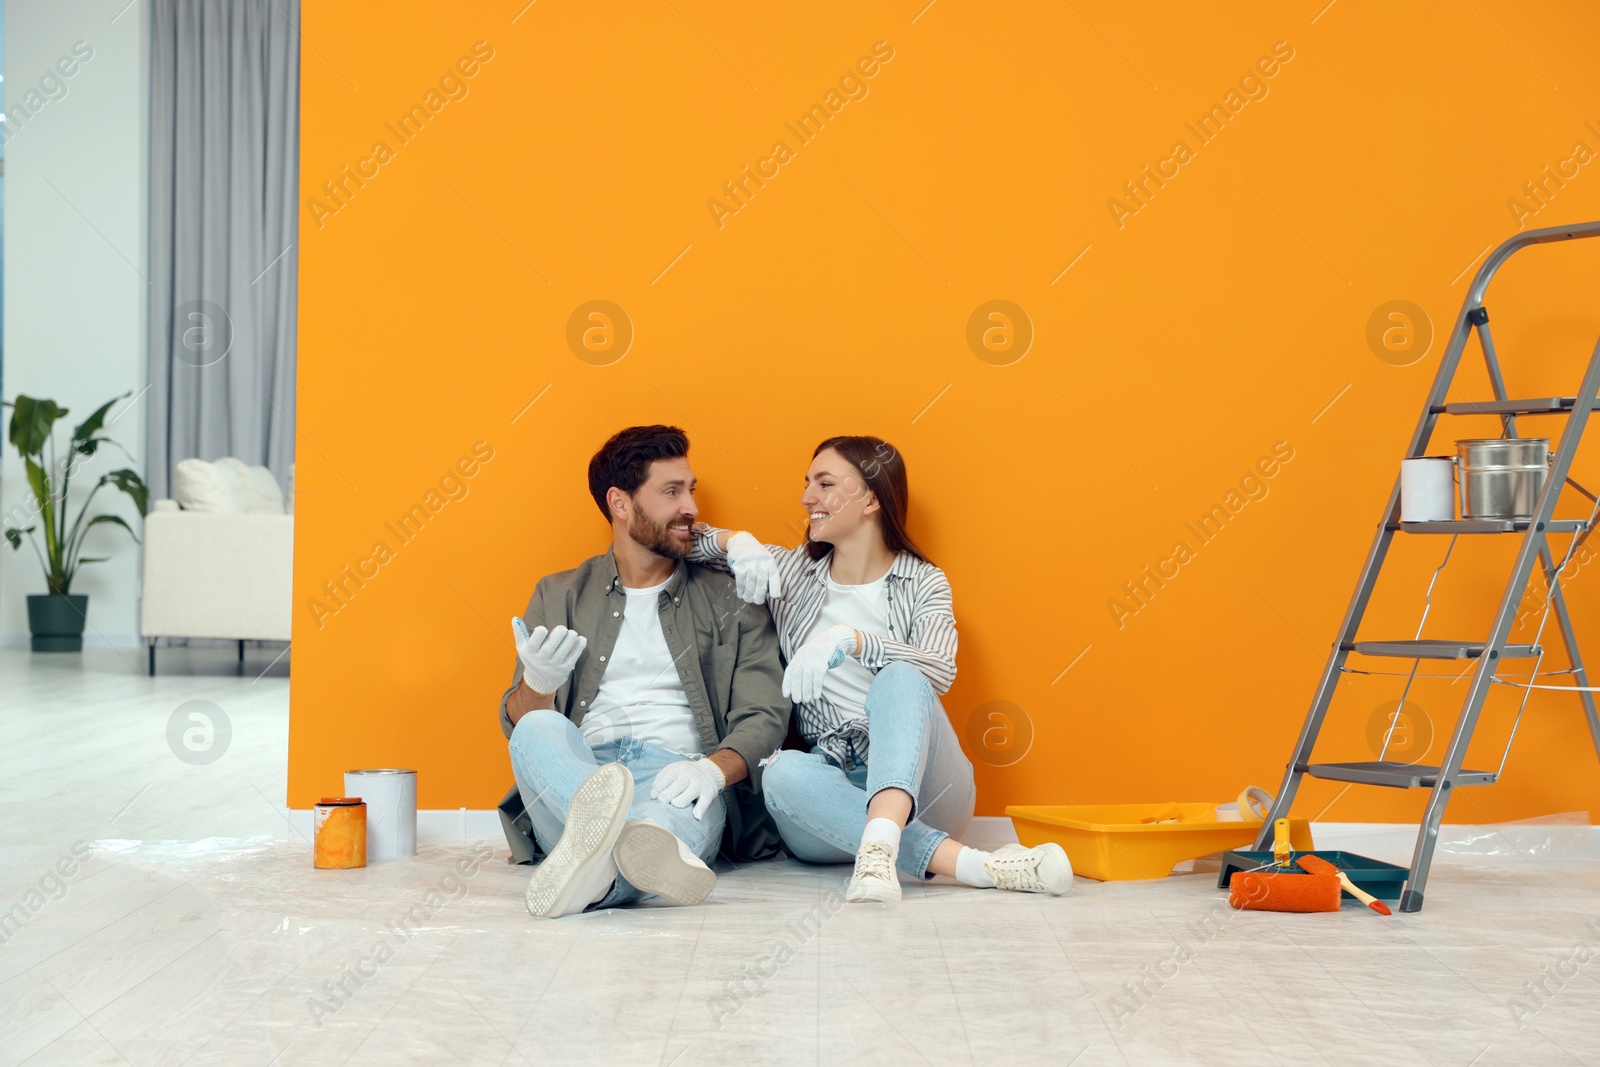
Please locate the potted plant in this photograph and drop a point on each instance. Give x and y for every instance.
(57, 618)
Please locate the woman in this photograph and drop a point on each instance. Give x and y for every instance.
(866, 628)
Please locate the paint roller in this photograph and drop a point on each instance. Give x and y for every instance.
(1283, 889)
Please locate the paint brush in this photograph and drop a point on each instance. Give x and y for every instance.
(1318, 865)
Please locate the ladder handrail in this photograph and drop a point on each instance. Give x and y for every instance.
(1463, 327)
(1511, 245)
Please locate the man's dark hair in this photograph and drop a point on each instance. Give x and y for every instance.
(624, 461)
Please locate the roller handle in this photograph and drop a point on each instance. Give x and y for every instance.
(1282, 849)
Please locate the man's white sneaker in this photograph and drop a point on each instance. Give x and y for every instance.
(1041, 869)
(874, 880)
(580, 870)
(654, 860)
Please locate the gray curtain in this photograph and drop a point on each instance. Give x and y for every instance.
(224, 179)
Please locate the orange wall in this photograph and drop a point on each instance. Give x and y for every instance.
(1185, 341)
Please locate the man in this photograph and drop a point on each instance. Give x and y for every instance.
(645, 695)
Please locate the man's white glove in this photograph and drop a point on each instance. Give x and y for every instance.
(690, 781)
(547, 655)
(755, 572)
(802, 679)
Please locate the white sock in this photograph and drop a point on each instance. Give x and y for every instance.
(970, 869)
(885, 832)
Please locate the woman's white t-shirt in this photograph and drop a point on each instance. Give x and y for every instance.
(640, 694)
(861, 607)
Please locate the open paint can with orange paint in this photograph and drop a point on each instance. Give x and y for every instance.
(340, 837)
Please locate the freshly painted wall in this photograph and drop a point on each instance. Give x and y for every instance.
(1201, 214)
(75, 292)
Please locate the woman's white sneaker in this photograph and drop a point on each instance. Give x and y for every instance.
(654, 860)
(1041, 869)
(874, 880)
(579, 871)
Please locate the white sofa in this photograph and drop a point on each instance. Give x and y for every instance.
(218, 561)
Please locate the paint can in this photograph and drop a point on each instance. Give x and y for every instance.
(1502, 477)
(340, 834)
(1427, 489)
(391, 795)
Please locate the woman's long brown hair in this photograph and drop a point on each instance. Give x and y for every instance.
(883, 471)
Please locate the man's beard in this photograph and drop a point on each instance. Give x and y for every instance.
(655, 537)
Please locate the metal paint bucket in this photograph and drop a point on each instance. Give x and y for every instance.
(1502, 478)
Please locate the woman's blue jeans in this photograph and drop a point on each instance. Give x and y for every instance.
(821, 810)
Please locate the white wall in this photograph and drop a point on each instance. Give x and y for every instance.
(75, 211)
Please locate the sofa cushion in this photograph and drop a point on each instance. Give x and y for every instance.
(202, 486)
(261, 491)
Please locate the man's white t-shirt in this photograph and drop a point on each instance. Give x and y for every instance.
(861, 607)
(641, 695)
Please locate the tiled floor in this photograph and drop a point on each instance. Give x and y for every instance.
(191, 928)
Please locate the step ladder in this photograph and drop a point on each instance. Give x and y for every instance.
(1491, 651)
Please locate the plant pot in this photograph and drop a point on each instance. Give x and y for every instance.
(57, 622)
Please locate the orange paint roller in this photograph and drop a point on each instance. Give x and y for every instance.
(1267, 891)
(1319, 867)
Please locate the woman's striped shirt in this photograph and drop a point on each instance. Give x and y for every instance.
(922, 632)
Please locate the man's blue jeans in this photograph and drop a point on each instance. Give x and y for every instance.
(821, 810)
(551, 759)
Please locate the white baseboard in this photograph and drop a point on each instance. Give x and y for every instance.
(446, 826)
(440, 827)
(434, 827)
(1567, 837)
(990, 831)
(91, 641)
(1555, 837)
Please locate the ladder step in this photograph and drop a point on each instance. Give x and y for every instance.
(1395, 774)
(1545, 405)
(1436, 648)
(1487, 526)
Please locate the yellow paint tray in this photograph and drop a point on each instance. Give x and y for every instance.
(1108, 842)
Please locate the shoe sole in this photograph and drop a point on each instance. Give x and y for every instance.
(871, 894)
(648, 858)
(594, 819)
(1065, 880)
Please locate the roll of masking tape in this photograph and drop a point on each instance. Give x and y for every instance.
(1253, 804)
(1255, 800)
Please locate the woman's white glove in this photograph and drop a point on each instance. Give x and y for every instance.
(690, 781)
(802, 679)
(755, 572)
(547, 655)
